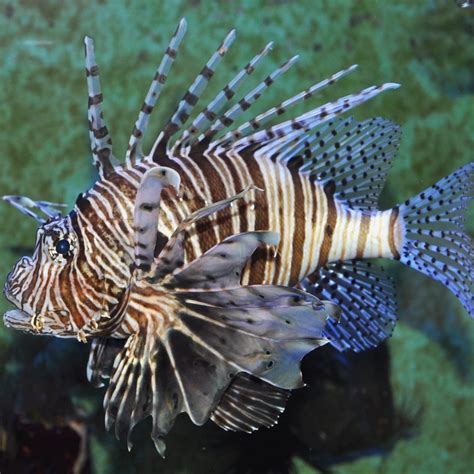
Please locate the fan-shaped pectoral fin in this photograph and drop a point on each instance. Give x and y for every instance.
(262, 331)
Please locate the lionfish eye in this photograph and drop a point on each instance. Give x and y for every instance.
(63, 246)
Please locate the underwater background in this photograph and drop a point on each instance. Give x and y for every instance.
(406, 407)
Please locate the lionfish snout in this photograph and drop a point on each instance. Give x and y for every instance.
(15, 280)
(16, 318)
(14, 290)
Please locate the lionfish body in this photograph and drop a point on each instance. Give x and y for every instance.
(204, 271)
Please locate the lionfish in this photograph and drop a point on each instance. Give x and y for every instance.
(204, 271)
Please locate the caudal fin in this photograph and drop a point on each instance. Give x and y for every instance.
(435, 241)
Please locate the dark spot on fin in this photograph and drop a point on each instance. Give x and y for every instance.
(330, 187)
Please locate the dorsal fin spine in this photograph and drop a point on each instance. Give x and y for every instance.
(246, 102)
(205, 117)
(134, 145)
(315, 117)
(192, 95)
(263, 118)
(101, 142)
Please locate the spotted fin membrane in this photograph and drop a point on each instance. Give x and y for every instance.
(436, 243)
(367, 298)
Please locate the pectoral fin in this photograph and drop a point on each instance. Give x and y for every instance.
(171, 257)
(216, 330)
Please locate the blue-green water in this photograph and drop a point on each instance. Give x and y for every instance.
(426, 46)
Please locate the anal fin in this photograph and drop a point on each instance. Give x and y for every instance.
(366, 296)
(250, 403)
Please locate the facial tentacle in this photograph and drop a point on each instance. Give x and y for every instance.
(28, 206)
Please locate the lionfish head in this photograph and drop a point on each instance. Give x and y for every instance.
(37, 284)
(64, 289)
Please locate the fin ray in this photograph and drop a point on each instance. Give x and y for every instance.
(192, 95)
(134, 149)
(366, 296)
(248, 404)
(231, 115)
(209, 113)
(101, 142)
(435, 242)
(260, 120)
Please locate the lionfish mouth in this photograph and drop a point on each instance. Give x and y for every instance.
(22, 320)
(17, 319)
(33, 324)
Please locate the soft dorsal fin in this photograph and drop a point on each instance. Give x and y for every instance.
(352, 157)
(356, 156)
(250, 403)
(366, 296)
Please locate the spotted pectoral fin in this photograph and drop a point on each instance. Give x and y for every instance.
(267, 342)
(221, 266)
(366, 297)
(250, 403)
(146, 213)
(215, 330)
(189, 367)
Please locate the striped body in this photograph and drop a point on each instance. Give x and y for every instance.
(315, 228)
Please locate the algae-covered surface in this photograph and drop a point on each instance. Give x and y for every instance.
(44, 151)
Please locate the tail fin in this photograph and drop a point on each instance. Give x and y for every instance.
(435, 240)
